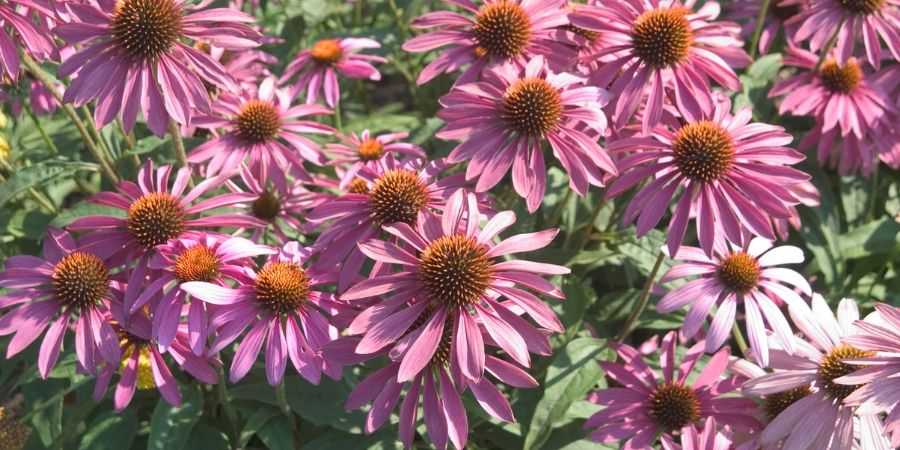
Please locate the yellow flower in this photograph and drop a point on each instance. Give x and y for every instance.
(13, 434)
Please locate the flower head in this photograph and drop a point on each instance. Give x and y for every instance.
(263, 129)
(873, 20)
(496, 32)
(646, 404)
(67, 285)
(663, 46)
(136, 55)
(449, 282)
(154, 215)
(286, 311)
(506, 119)
(317, 68)
(802, 389)
(737, 275)
(143, 366)
(734, 177)
(365, 150)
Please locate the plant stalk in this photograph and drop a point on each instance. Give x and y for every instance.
(642, 301)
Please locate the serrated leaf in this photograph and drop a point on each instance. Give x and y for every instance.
(572, 374)
(110, 431)
(34, 176)
(170, 426)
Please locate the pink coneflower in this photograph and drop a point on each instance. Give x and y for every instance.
(645, 405)
(734, 177)
(847, 102)
(383, 194)
(136, 56)
(851, 20)
(208, 257)
(154, 215)
(317, 68)
(707, 438)
(779, 12)
(805, 380)
(357, 151)
(279, 201)
(262, 128)
(248, 67)
(143, 366)
(879, 335)
(449, 282)
(441, 389)
(30, 36)
(663, 45)
(505, 120)
(66, 285)
(279, 304)
(733, 276)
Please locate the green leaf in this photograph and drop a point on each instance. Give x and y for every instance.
(385, 439)
(277, 434)
(204, 437)
(256, 422)
(572, 374)
(874, 238)
(37, 175)
(170, 427)
(320, 405)
(110, 431)
(147, 145)
(83, 209)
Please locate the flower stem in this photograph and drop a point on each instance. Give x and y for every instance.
(230, 413)
(642, 301)
(40, 128)
(825, 50)
(589, 227)
(739, 339)
(281, 397)
(95, 151)
(178, 143)
(760, 24)
(338, 123)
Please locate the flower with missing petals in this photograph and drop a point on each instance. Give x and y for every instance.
(357, 151)
(818, 419)
(143, 366)
(67, 285)
(733, 176)
(507, 119)
(135, 55)
(154, 215)
(317, 68)
(262, 129)
(646, 406)
(452, 282)
(735, 276)
(286, 311)
(495, 32)
(868, 21)
(663, 46)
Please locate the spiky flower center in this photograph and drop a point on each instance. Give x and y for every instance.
(370, 150)
(155, 218)
(532, 106)
(282, 287)
(144, 379)
(841, 79)
(832, 367)
(774, 404)
(327, 51)
(358, 186)
(80, 280)
(862, 7)
(146, 29)
(674, 405)
(258, 121)
(266, 206)
(397, 196)
(502, 29)
(662, 37)
(197, 263)
(13, 433)
(739, 272)
(455, 270)
(703, 151)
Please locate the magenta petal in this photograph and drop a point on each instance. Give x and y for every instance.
(248, 351)
(50, 346)
(421, 351)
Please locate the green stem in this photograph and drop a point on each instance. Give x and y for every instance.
(338, 122)
(642, 301)
(874, 192)
(589, 227)
(739, 339)
(178, 144)
(130, 142)
(827, 49)
(32, 66)
(281, 396)
(230, 413)
(40, 128)
(40, 406)
(760, 24)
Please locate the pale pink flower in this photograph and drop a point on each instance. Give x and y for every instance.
(317, 68)
(354, 152)
(706, 438)
(505, 121)
(734, 276)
